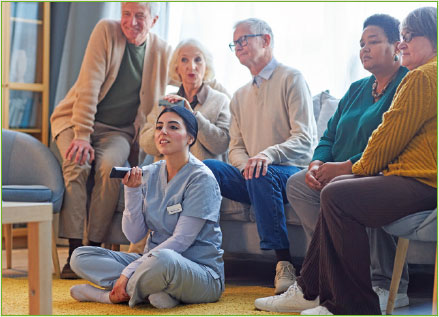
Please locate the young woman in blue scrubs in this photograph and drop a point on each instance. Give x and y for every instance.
(178, 200)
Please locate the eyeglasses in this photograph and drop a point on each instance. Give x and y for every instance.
(242, 41)
(408, 37)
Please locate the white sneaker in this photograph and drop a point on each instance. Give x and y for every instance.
(290, 301)
(401, 300)
(162, 300)
(319, 310)
(285, 276)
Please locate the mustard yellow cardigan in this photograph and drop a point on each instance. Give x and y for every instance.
(405, 143)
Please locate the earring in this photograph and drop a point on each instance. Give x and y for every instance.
(396, 57)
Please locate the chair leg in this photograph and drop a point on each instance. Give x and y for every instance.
(401, 253)
(435, 287)
(55, 257)
(7, 228)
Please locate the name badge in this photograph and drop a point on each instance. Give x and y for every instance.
(174, 209)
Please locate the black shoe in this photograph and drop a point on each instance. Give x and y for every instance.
(68, 274)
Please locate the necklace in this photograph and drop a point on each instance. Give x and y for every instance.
(377, 95)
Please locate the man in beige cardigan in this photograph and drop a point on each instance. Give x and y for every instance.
(123, 74)
(272, 136)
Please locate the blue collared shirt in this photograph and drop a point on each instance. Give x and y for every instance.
(265, 73)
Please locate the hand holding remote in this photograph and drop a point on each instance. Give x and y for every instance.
(119, 172)
(133, 178)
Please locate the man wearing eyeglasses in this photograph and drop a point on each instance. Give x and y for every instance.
(273, 134)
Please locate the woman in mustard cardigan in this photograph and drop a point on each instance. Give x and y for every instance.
(395, 177)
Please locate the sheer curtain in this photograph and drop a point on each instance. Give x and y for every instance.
(319, 39)
(81, 21)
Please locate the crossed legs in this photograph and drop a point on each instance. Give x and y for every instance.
(337, 264)
(164, 271)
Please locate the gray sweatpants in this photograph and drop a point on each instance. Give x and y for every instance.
(164, 270)
(306, 203)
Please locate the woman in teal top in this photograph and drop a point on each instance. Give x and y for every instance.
(358, 114)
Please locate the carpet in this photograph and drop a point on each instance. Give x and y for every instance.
(236, 300)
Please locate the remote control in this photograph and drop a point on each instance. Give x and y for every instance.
(119, 172)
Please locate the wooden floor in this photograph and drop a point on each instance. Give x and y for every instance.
(241, 272)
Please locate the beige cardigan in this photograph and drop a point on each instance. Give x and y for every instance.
(99, 70)
(275, 119)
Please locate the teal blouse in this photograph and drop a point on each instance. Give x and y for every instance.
(356, 117)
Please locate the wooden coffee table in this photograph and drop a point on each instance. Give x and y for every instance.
(38, 217)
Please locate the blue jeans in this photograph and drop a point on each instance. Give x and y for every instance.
(266, 194)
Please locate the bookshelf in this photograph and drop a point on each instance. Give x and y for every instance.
(25, 68)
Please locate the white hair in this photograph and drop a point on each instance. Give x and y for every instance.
(173, 63)
(154, 7)
(257, 26)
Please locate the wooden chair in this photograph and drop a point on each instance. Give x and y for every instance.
(421, 226)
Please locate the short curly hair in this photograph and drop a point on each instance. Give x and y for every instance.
(389, 24)
(173, 63)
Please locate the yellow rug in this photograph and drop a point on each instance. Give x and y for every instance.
(236, 300)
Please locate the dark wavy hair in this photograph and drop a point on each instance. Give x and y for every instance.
(389, 24)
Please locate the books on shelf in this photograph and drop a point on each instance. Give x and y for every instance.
(23, 112)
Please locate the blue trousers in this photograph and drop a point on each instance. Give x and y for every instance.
(266, 194)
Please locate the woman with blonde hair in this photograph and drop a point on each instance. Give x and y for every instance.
(191, 65)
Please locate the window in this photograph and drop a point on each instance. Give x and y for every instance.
(319, 39)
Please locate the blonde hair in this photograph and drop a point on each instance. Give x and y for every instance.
(173, 63)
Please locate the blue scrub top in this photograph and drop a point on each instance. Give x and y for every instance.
(197, 191)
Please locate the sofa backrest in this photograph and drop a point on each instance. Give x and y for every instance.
(26, 161)
(324, 107)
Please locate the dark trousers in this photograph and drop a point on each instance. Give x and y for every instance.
(337, 264)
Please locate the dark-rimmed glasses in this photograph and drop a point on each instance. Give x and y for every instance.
(408, 36)
(242, 41)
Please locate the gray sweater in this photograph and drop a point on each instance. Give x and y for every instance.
(213, 117)
(275, 119)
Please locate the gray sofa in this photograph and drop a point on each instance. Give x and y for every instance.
(240, 235)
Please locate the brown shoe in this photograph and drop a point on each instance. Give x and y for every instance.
(68, 274)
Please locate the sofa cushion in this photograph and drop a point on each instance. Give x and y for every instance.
(317, 102)
(418, 226)
(328, 107)
(26, 193)
(233, 210)
(290, 214)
